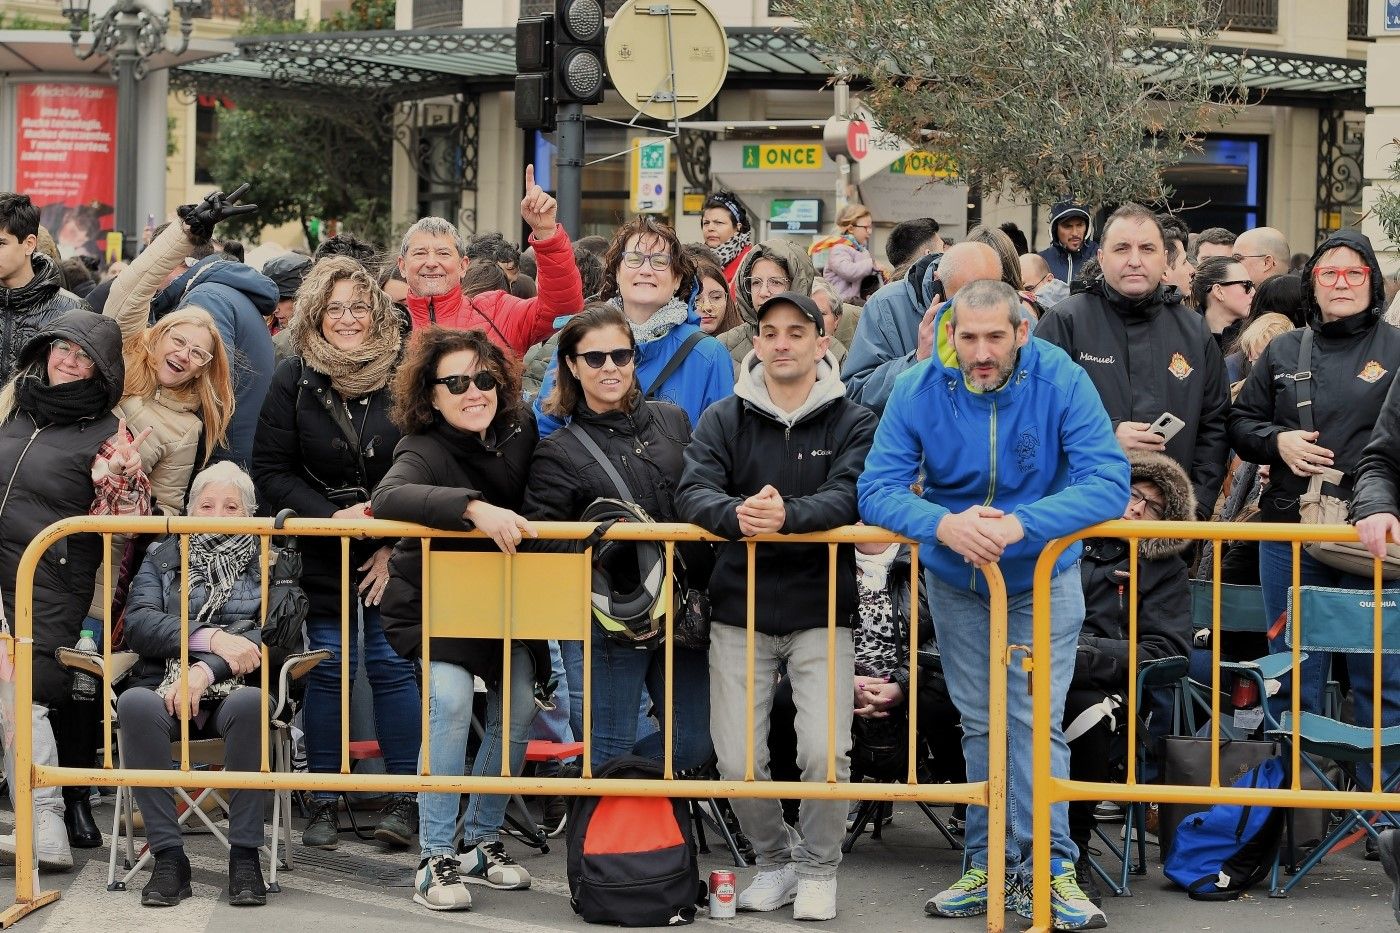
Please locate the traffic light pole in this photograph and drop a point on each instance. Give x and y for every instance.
(569, 191)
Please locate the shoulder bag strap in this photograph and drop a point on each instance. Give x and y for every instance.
(1302, 380)
(596, 452)
(674, 363)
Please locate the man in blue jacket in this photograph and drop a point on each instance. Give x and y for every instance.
(1013, 448)
(1070, 247)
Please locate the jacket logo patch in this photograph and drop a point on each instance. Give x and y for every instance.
(1090, 358)
(819, 452)
(1373, 372)
(1179, 367)
(1027, 447)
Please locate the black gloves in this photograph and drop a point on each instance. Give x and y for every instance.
(214, 209)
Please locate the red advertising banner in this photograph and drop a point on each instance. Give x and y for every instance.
(67, 160)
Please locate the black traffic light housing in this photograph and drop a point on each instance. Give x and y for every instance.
(580, 67)
(534, 73)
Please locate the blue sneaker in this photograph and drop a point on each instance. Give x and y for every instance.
(1070, 907)
(1018, 897)
(966, 898)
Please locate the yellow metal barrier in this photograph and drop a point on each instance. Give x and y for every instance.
(1050, 790)
(531, 595)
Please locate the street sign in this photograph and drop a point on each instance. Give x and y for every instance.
(651, 175)
(858, 139)
(667, 60)
(785, 158)
(923, 163)
(1392, 15)
(795, 215)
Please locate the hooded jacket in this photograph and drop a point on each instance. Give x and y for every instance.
(238, 297)
(888, 334)
(27, 310)
(1146, 357)
(1163, 590)
(706, 376)
(1040, 447)
(47, 475)
(739, 340)
(1353, 365)
(1064, 262)
(812, 456)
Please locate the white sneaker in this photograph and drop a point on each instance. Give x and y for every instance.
(52, 837)
(490, 864)
(769, 890)
(438, 885)
(816, 898)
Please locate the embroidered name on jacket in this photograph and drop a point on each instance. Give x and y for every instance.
(1090, 358)
(1178, 367)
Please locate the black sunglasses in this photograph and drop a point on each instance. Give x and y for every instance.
(1246, 283)
(459, 384)
(596, 358)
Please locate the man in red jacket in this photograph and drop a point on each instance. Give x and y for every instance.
(432, 261)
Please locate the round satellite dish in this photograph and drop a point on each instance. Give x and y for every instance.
(667, 66)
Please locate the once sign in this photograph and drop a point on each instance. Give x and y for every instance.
(786, 158)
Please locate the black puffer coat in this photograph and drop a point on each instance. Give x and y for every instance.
(301, 452)
(1353, 364)
(1164, 595)
(47, 475)
(433, 478)
(153, 613)
(30, 308)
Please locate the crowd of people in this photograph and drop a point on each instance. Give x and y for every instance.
(975, 397)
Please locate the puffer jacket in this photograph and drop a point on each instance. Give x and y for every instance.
(887, 335)
(1353, 365)
(435, 475)
(739, 340)
(1163, 590)
(846, 267)
(153, 613)
(27, 310)
(47, 475)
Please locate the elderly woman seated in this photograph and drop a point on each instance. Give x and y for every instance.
(224, 648)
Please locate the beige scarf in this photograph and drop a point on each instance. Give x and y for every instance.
(353, 373)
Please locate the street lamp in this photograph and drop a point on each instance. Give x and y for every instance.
(128, 35)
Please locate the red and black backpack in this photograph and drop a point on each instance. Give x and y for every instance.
(632, 859)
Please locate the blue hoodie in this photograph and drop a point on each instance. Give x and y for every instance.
(238, 298)
(1041, 448)
(887, 335)
(706, 376)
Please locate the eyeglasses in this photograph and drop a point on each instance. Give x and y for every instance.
(459, 383)
(659, 261)
(774, 285)
(1355, 276)
(1154, 510)
(200, 355)
(1246, 284)
(596, 358)
(862, 226)
(359, 311)
(64, 348)
(711, 299)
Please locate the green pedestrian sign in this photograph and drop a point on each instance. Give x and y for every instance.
(750, 157)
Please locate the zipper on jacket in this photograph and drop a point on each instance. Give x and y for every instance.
(992, 483)
(18, 463)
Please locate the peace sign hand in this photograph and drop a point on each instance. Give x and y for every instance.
(126, 450)
(537, 208)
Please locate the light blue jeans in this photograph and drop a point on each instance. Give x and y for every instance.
(961, 620)
(449, 725)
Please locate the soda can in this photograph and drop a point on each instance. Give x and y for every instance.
(722, 895)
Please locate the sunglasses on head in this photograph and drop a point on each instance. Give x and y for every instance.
(459, 383)
(596, 358)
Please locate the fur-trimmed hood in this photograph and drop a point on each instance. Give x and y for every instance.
(1168, 476)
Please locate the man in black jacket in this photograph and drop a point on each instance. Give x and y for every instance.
(1147, 353)
(781, 456)
(31, 287)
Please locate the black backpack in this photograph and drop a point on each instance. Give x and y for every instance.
(632, 859)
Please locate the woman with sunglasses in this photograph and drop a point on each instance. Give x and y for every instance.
(462, 465)
(598, 391)
(324, 440)
(1223, 292)
(650, 278)
(1352, 362)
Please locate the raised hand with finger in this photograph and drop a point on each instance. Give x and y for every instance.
(126, 450)
(200, 219)
(538, 208)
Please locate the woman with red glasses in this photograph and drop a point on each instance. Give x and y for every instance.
(1344, 360)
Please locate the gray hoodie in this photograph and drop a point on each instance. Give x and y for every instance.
(751, 387)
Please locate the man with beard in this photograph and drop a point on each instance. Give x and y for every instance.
(1013, 448)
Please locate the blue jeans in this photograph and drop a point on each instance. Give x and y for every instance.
(571, 652)
(397, 707)
(619, 674)
(449, 724)
(960, 620)
(553, 725)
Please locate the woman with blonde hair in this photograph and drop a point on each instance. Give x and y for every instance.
(849, 260)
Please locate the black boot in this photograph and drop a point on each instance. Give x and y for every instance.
(1088, 881)
(77, 816)
(170, 880)
(245, 880)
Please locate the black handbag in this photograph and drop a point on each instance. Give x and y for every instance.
(287, 605)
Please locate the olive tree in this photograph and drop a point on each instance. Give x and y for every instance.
(1049, 97)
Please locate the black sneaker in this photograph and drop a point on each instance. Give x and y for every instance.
(398, 822)
(1389, 852)
(1088, 880)
(170, 880)
(556, 814)
(245, 881)
(1373, 851)
(322, 832)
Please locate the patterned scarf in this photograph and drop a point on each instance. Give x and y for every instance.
(732, 247)
(672, 314)
(217, 561)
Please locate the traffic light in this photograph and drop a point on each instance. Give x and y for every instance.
(534, 73)
(580, 70)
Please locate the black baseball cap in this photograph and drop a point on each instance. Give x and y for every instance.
(801, 302)
(287, 272)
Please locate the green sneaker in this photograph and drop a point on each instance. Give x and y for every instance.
(1070, 907)
(966, 898)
